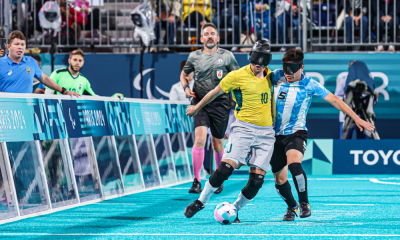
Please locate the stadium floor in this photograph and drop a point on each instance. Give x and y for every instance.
(343, 207)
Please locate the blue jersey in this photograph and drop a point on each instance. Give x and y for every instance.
(293, 101)
(18, 77)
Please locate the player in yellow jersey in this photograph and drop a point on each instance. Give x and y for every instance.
(252, 137)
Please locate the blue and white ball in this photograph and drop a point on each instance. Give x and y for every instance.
(225, 213)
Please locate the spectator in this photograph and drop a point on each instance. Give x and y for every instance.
(70, 77)
(71, 21)
(2, 48)
(17, 71)
(167, 15)
(357, 14)
(282, 18)
(196, 13)
(228, 10)
(386, 16)
(40, 89)
(177, 92)
(88, 13)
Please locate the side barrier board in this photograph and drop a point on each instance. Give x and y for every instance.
(28, 119)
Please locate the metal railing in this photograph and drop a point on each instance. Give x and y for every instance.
(310, 25)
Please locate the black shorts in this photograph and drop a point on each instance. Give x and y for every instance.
(215, 115)
(284, 143)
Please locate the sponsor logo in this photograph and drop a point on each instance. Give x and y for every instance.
(219, 74)
(72, 120)
(28, 70)
(9, 73)
(136, 85)
(372, 157)
(80, 86)
(220, 61)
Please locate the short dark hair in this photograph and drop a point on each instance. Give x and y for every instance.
(36, 57)
(293, 55)
(76, 52)
(208, 25)
(15, 34)
(183, 63)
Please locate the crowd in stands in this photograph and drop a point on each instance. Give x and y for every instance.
(354, 21)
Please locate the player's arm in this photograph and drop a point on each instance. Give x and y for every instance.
(342, 106)
(192, 110)
(46, 80)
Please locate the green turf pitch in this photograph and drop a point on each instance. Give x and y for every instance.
(343, 207)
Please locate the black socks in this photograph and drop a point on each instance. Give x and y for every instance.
(285, 191)
(300, 181)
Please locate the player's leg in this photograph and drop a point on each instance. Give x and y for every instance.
(218, 148)
(216, 179)
(238, 148)
(280, 171)
(256, 180)
(201, 122)
(259, 157)
(295, 150)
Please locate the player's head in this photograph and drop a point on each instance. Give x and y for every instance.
(76, 60)
(2, 51)
(260, 55)
(37, 58)
(209, 35)
(16, 44)
(293, 65)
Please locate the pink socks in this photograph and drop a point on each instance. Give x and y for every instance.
(197, 159)
(218, 158)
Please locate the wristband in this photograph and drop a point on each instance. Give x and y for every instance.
(185, 86)
(63, 90)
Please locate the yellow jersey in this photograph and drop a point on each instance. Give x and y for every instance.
(253, 96)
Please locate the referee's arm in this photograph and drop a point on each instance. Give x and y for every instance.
(46, 80)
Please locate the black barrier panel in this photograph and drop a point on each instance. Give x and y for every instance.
(165, 159)
(28, 177)
(180, 157)
(108, 165)
(148, 160)
(60, 179)
(129, 161)
(86, 177)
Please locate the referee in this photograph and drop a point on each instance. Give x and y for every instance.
(17, 71)
(210, 64)
(70, 77)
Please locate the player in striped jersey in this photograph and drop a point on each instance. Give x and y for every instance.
(293, 93)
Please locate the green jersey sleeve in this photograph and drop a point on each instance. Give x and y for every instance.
(89, 89)
(55, 77)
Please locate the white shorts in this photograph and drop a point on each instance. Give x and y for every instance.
(250, 144)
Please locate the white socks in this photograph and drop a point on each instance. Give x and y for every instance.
(207, 193)
(241, 201)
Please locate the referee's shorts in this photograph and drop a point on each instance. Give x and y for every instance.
(215, 116)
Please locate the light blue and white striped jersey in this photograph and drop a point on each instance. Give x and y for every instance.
(293, 101)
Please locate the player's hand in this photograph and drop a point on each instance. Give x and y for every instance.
(191, 111)
(72, 93)
(189, 93)
(361, 124)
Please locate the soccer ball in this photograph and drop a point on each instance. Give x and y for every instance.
(225, 213)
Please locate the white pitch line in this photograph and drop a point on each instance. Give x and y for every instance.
(325, 179)
(197, 234)
(345, 204)
(374, 180)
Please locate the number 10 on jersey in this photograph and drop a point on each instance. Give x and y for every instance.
(264, 98)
